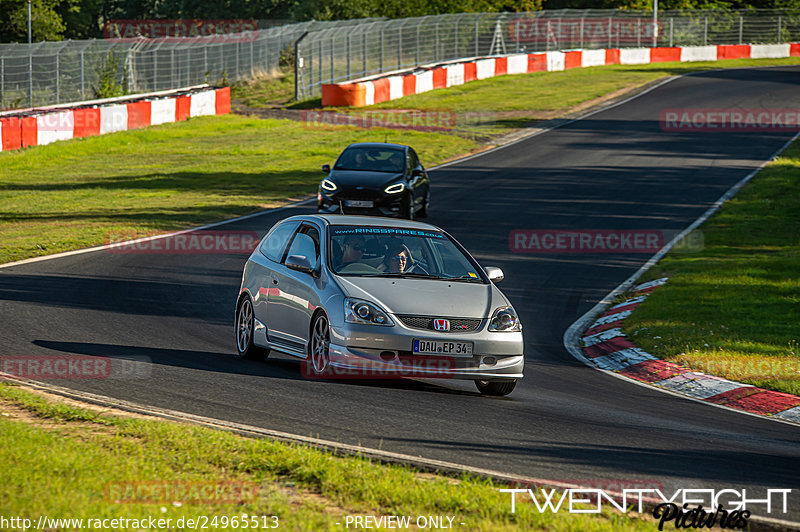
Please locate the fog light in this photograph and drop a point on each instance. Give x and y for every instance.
(489, 361)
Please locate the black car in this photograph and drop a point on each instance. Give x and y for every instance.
(376, 178)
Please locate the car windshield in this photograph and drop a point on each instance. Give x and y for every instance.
(371, 159)
(375, 251)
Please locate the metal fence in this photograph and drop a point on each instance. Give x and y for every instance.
(53, 72)
(337, 54)
(47, 73)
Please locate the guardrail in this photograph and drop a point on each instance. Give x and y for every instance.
(37, 127)
(336, 54)
(382, 88)
(46, 73)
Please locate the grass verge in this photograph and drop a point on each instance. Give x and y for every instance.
(70, 462)
(733, 308)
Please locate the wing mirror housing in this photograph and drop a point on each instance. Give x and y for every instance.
(495, 274)
(416, 172)
(299, 263)
(326, 168)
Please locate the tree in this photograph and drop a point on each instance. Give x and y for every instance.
(47, 23)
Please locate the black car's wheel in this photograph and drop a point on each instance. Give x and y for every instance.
(318, 361)
(408, 209)
(245, 327)
(495, 388)
(423, 212)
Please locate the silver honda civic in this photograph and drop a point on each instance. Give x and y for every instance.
(366, 297)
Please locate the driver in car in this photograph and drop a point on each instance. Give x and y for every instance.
(397, 259)
(352, 250)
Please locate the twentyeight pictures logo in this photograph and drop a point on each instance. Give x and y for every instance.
(683, 508)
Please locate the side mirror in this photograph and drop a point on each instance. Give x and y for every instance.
(326, 168)
(416, 172)
(495, 274)
(299, 263)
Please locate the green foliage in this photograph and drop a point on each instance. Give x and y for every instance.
(109, 84)
(47, 23)
(83, 19)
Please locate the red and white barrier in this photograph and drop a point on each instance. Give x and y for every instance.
(378, 89)
(40, 127)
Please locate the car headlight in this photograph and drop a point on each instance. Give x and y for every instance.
(328, 185)
(360, 311)
(394, 189)
(505, 319)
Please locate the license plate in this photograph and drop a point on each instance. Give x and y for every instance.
(434, 347)
(364, 204)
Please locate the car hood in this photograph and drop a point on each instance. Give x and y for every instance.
(354, 178)
(424, 297)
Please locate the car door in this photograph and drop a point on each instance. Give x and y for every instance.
(261, 266)
(294, 295)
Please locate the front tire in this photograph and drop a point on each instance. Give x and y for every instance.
(408, 211)
(426, 205)
(245, 328)
(496, 388)
(318, 361)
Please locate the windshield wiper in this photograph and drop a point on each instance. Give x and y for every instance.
(463, 278)
(404, 275)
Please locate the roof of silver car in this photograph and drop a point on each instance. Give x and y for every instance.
(367, 221)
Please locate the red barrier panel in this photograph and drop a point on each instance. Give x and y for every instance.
(87, 122)
(794, 50)
(138, 115)
(30, 132)
(12, 133)
(183, 105)
(500, 66)
(346, 94)
(440, 78)
(537, 62)
(409, 84)
(222, 101)
(612, 56)
(733, 51)
(663, 55)
(382, 90)
(470, 72)
(572, 60)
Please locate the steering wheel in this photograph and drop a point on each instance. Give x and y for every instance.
(417, 268)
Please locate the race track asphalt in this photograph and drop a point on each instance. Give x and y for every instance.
(616, 169)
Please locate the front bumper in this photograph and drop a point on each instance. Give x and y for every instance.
(366, 352)
(383, 205)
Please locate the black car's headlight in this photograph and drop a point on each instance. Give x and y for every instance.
(394, 189)
(328, 185)
(505, 319)
(360, 311)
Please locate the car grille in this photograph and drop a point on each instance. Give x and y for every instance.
(457, 325)
(357, 195)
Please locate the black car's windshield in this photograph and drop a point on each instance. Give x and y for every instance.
(375, 251)
(371, 159)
